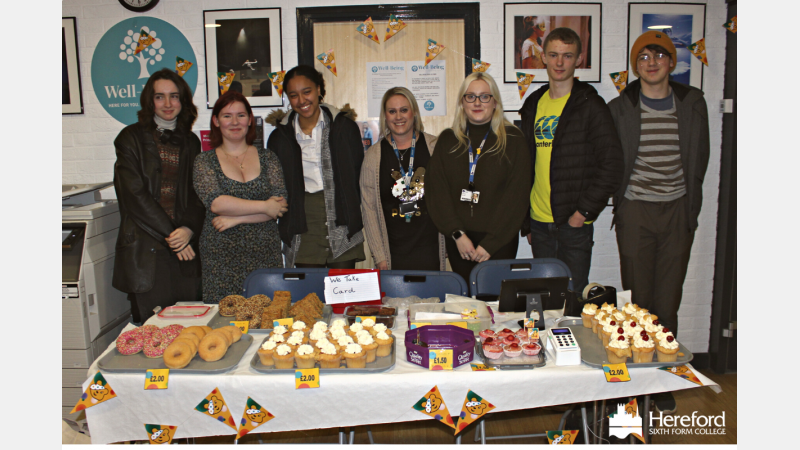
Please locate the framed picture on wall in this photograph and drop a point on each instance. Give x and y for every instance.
(685, 23)
(71, 96)
(244, 44)
(527, 26)
(514, 118)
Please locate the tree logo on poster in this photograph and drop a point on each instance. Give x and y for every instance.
(429, 105)
(117, 78)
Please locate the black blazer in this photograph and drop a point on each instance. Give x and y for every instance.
(144, 225)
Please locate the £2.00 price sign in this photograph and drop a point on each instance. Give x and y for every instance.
(306, 378)
(440, 359)
(156, 379)
(616, 373)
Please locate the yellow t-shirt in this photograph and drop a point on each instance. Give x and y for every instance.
(548, 111)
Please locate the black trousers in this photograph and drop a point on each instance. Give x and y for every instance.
(169, 287)
(464, 267)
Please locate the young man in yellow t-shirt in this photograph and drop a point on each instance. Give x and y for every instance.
(576, 159)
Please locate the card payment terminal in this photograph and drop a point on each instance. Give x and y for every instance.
(563, 347)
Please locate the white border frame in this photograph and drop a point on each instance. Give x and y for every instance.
(69, 26)
(510, 10)
(696, 10)
(276, 53)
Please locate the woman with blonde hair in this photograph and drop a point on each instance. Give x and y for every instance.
(478, 179)
(398, 228)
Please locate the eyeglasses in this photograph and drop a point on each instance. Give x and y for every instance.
(485, 98)
(659, 58)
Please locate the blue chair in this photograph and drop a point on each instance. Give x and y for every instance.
(300, 282)
(487, 277)
(422, 283)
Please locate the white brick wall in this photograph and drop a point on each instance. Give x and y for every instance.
(88, 153)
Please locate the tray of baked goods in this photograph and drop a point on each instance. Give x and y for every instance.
(636, 341)
(385, 315)
(260, 311)
(337, 348)
(510, 349)
(197, 349)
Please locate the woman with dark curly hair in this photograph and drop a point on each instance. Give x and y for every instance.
(160, 215)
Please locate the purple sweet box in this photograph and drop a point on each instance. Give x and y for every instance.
(461, 340)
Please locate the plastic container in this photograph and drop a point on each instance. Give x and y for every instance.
(460, 340)
(183, 312)
(482, 322)
(371, 311)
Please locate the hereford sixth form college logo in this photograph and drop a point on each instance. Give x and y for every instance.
(128, 53)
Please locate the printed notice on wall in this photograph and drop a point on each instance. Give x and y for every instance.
(382, 76)
(359, 287)
(427, 83)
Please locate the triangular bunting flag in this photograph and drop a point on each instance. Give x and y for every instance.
(731, 24)
(393, 27)
(479, 66)
(182, 65)
(432, 51)
(625, 420)
(473, 409)
(683, 372)
(253, 417)
(562, 437)
(160, 434)
(145, 40)
(523, 83)
(97, 392)
(368, 30)
(698, 49)
(225, 79)
(620, 80)
(327, 59)
(433, 405)
(277, 80)
(214, 406)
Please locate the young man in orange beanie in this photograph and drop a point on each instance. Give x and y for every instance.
(663, 127)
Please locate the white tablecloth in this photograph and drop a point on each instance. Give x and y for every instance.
(345, 400)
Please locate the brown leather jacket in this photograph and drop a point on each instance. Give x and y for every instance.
(144, 225)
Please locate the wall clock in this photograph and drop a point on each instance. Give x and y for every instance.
(139, 5)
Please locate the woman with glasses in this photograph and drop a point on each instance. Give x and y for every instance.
(399, 230)
(479, 179)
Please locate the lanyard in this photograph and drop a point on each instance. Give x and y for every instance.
(406, 176)
(474, 163)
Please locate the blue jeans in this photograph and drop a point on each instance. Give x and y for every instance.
(571, 245)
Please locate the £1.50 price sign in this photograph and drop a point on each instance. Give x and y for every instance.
(440, 359)
(306, 378)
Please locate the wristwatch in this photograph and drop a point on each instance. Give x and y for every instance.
(457, 235)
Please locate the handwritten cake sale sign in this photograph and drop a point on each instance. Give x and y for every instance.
(359, 287)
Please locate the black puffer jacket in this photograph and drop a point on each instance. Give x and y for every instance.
(586, 163)
(347, 154)
(144, 225)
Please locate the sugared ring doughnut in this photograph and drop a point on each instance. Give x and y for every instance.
(206, 328)
(197, 331)
(155, 345)
(235, 331)
(130, 342)
(188, 341)
(178, 355)
(227, 337)
(212, 347)
(191, 336)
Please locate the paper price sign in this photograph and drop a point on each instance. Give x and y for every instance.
(533, 333)
(418, 325)
(363, 318)
(440, 359)
(616, 373)
(480, 367)
(306, 378)
(285, 322)
(458, 324)
(156, 379)
(243, 325)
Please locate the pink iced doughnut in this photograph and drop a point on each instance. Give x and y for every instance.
(172, 331)
(147, 330)
(155, 344)
(130, 342)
